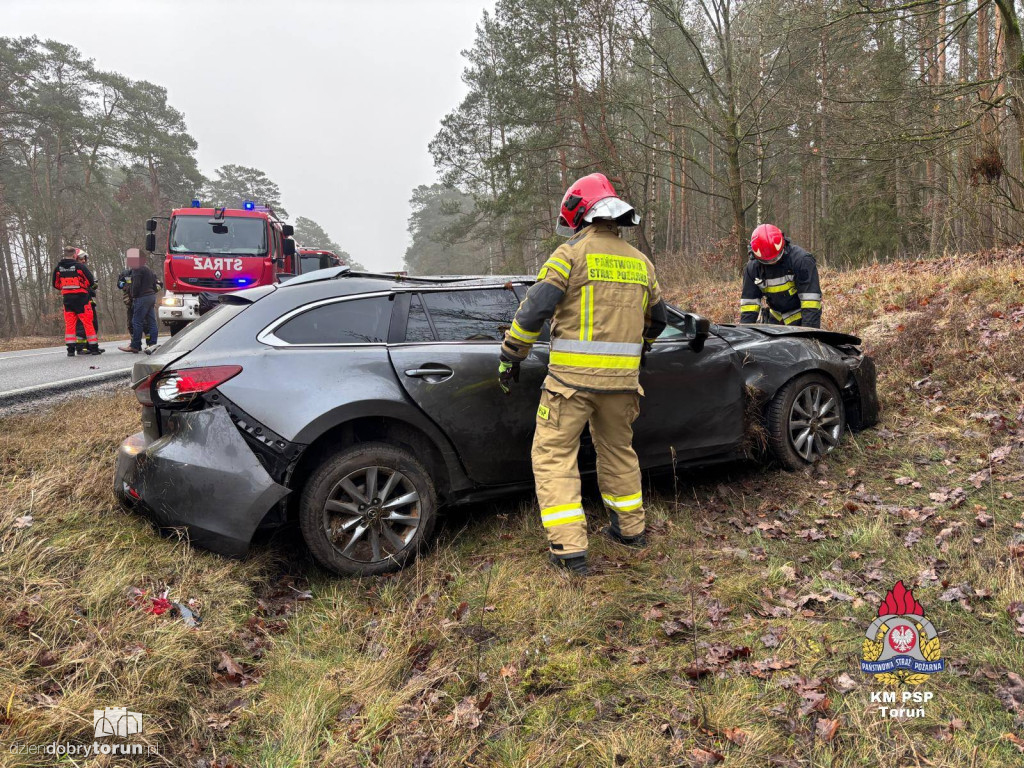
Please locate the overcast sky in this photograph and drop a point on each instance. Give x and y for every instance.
(335, 100)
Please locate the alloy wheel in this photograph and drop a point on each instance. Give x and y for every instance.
(372, 514)
(814, 422)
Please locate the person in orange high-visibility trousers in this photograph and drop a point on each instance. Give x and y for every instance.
(74, 280)
(605, 307)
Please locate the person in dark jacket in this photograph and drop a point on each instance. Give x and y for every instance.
(144, 287)
(785, 276)
(74, 280)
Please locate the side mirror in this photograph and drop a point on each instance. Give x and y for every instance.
(287, 230)
(151, 242)
(288, 246)
(151, 225)
(703, 326)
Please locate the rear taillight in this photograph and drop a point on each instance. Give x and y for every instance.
(183, 386)
(144, 390)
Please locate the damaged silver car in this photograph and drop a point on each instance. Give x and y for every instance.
(360, 405)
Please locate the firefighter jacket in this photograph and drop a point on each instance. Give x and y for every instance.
(124, 284)
(73, 280)
(603, 300)
(790, 288)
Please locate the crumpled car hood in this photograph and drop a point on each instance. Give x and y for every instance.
(759, 330)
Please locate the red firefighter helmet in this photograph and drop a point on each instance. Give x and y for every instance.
(767, 243)
(579, 201)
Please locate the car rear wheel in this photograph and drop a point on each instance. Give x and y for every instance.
(805, 420)
(368, 510)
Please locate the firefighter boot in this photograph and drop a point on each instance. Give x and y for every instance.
(575, 564)
(71, 350)
(611, 531)
(94, 349)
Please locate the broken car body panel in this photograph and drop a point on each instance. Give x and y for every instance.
(204, 478)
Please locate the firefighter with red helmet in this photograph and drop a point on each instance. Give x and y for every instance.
(785, 276)
(74, 281)
(605, 308)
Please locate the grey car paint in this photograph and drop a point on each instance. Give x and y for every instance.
(444, 391)
(223, 475)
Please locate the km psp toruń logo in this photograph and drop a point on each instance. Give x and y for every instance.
(901, 645)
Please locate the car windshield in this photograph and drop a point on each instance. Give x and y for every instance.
(314, 262)
(232, 234)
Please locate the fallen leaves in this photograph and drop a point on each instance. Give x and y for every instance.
(702, 757)
(469, 713)
(1011, 695)
(20, 523)
(826, 729)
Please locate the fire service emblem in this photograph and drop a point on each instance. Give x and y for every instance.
(901, 645)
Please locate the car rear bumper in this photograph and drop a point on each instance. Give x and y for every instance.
(201, 476)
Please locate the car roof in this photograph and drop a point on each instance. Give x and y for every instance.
(346, 281)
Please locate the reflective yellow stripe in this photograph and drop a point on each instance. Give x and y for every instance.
(624, 503)
(562, 515)
(517, 332)
(590, 313)
(810, 304)
(750, 307)
(646, 297)
(543, 271)
(789, 287)
(792, 318)
(560, 266)
(583, 313)
(580, 360)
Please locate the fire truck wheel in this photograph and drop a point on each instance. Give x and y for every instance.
(368, 509)
(175, 327)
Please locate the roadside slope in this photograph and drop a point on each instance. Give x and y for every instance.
(737, 634)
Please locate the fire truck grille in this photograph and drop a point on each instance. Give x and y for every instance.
(209, 282)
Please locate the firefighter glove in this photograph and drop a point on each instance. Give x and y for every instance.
(508, 372)
(643, 353)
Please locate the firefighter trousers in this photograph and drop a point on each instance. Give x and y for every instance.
(561, 417)
(76, 309)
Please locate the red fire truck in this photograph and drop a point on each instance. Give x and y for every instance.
(311, 259)
(218, 250)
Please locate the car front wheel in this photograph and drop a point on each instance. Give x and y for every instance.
(368, 510)
(805, 420)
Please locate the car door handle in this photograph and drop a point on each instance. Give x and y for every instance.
(440, 373)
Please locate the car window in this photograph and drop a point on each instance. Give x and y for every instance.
(478, 315)
(676, 328)
(359, 321)
(418, 327)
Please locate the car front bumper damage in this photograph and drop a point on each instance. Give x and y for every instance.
(201, 476)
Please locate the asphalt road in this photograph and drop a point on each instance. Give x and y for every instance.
(31, 374)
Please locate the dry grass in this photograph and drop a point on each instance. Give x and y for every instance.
(17, 343)
(481, 655)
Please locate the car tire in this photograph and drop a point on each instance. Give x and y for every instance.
(805, 420)
(353, 532)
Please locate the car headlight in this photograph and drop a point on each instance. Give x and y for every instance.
(172, 301)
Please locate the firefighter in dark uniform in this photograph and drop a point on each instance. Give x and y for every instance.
(124, 284)
(785, 276)
(73, 279)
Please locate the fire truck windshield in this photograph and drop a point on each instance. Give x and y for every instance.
(232, 234)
